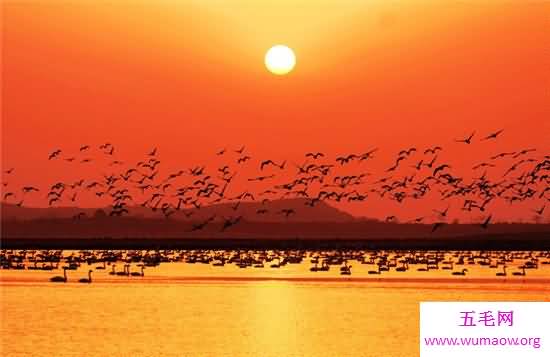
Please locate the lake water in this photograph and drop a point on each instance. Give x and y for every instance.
(180, 309)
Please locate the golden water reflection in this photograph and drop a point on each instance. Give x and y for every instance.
(216, 318)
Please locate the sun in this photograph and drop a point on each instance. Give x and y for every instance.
(280, 60)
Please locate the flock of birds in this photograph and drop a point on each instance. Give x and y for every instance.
(455, 262)
(413, 175)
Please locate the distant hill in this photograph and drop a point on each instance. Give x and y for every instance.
(43, 227)
(272, 212)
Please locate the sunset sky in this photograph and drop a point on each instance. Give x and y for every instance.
(189, 78)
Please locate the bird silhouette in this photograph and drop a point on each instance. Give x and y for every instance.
(501, 155)
(468, 140)
(202, 225)
(315, 155)
(367, 155)
(540, 210)
(431, 163)
(437, 226)
(407, 152)
(197, 171)
(229, 222)
(442, 213)
(261, 178)
(482, 165)
(418, 166)
(485, 223)
(523, 152)
(267, 162)
(240, 151)
(440, 168)
(493, 135)
(433, 150)
(288, 212)
(243, 159)
(345, 159)
(54, 154)
(27, 189)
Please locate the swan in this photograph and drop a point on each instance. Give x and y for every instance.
(89, 280)
(502, 273)
(135, 273)
(113, 272)
(125, 272)
(60, 279)
(522, 273)
(278, 265)
(346, 270)
(375, 271)
(315, 267)
(463, 272)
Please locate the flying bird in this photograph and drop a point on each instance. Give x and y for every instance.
(440, 168)
(229, 222)
(485, 223)
(315, 155)
(27, 189)
(442, 213)
(54, 154)
(432, 150)
(199, 226)
(493, 135)
(367, 155)
(287, 212)
(243, 159)
(240, 151)
(540, 210)
(437, 225)
(267, 162)
(468, 140)
(523, 152)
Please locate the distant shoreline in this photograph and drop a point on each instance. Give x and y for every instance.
(453, 280)
(513, 241)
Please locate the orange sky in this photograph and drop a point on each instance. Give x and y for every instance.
(188, 77)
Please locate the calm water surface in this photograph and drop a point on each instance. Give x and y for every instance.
(181, 309)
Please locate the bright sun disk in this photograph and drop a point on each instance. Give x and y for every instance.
(280, 59)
